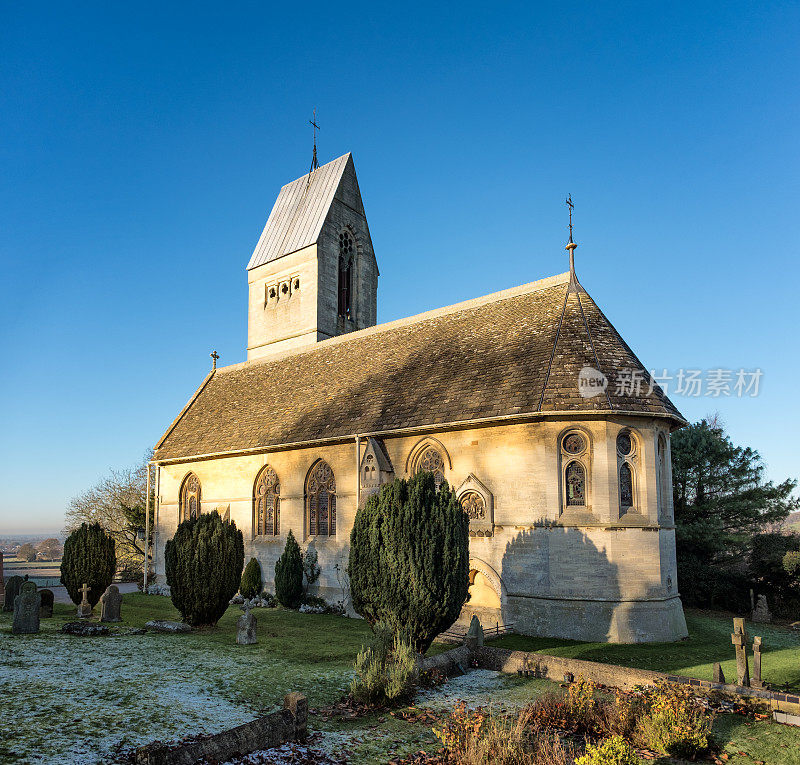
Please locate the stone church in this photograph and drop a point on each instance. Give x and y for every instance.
(512, 398)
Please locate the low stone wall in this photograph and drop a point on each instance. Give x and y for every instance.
(557, 667)
(288, 724)
(448, 660)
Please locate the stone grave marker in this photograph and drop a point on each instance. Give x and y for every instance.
(2, 583)
(246, 628)
(46, 609)
(761, 612)
(739, 640)
(757, 682)
(26, 610)
(474, 637)
(13, 586)
(111, 604)
(716, 675)
(85, 607)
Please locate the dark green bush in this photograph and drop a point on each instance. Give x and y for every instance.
(203, 564)
(89, 558)
(251, 584)
(409, 559)
(13, 586)
(289, 574)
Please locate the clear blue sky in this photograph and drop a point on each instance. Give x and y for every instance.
(142, 146)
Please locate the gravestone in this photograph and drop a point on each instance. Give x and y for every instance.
(246, 629)
(716, 675)
(46, 609)
(757, 682)
(85, 629)
(111, 604)
(85, 608)
(13, 586)
(474, 637)
(2, 583)
(26, 610)
(761, 612)
(739, 640)
(162, 625)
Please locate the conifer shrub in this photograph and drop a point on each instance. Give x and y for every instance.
(89, 558)
(409, 559)
(13, 586)
(203, 564)
(251, 584)
(289, 574)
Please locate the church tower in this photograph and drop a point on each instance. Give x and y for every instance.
(313, 274)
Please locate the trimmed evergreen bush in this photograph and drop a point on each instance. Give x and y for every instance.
(89, 558)
(409, 559)
(13, 586)
(289, 574)
(203, 564)
(251, 580)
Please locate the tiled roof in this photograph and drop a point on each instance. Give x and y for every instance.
(512, 353)
(299, 212)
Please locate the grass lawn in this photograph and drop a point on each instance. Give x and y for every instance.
(95, 695)
(709, 641)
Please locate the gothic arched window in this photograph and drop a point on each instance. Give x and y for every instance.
(189, 498)
(625, 487)
(321, 500)
(576, 485)
(575, 455)
(346, 252)
(431, 461)
(266, 503)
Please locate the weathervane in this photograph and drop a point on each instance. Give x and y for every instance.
(571, 245)
(313, 123)
(214, 356)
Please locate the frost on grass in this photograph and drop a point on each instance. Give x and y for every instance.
(79, 699)
(482, 687)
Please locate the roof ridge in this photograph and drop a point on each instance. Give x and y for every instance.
(464, 305)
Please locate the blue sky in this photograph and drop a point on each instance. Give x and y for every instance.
(143, 145)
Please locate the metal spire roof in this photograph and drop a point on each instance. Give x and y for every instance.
(299, 212)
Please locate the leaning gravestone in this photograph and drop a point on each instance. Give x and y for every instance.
(761, 612)
(26, 610)
(85, 607)
(716, 675)
(110, 604)
(756, 681)
(246, 629)
(46, 609)
(13, 586)
(2, 583)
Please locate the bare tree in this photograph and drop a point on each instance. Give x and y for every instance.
(117, 502)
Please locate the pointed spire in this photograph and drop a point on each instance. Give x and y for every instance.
(571, 245)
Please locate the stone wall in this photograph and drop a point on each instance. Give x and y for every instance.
(288, 724)
(593, 575)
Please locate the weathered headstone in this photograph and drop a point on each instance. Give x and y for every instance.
(757, 682)
(739, 640)
(85, 629)
(761, 612)
(246, 629)
(26, 610)
(474, 637)
(2, 583)
(13, 586)
(85, 607)
(46, 609)
(111, 604)
(716, 675)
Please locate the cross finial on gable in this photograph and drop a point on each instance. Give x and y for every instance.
(314, 162)
(214, 356)
(571, 245)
